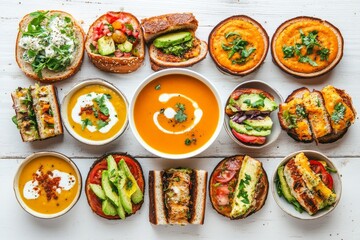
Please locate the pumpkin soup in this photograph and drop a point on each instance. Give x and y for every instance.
(238, 44)
(306, 45)
(176, 114)
(96, 112)
(48, 184)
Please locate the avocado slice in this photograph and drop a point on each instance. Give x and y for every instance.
(248, 130)
(97, 189)
(112, 169)
(135, 191)
(106, 45)
(108, 208)
(172, 39)
(126, 46)
(110, 194)
(120, 210)
(247, 102)
(123, 186)
(263, 124)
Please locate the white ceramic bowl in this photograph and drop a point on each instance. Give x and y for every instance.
(289, 208)
(276, 129)
(172, 71)
(17, 190)
(64, 109)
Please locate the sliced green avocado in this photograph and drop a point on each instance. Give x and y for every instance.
(97, 189)
(285, 189)
(106, 45)
(108, 208)
(125, 198)
(120, 210)
(112, 169)
(172, 39)
(263, 124)
(248, 130)
(137, 195)
(126, 46)
(253, 101)
(106, 185)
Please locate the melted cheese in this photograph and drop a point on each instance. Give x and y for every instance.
(332, 98)
(252, 168)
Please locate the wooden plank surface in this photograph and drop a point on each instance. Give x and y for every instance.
(271, 222)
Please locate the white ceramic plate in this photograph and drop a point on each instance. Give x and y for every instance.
(172, 71)
(64, 109)
(289, 208)
(276, 129)
(17, 190)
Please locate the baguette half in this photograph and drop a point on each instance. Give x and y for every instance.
(158, 211)
(118, 64)
(48, 75)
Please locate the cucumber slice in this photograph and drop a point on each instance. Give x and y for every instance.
(97, 189)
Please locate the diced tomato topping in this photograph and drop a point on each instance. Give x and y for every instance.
(222, 190)
(111, 17)
(326, 177)
(233, 165)
(225, 176)
(118, 53)
(127, 54)
(248, 139)
(135, 33)
(103, 117)
(222, 200)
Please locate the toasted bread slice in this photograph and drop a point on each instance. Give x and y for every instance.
(46, 110)
(49, 75)
(223, 193)
(293, 117)
(158, 25)
(25, 118)
(177, 212)
(120, 64)
(318, 70)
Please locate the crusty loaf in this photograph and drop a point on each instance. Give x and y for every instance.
(48, 75)
(158, 25)
(112, 63)
(158, 64)
(157, 206)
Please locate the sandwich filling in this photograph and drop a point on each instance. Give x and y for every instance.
(49, 42)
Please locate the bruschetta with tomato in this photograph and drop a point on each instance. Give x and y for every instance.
(114, 43)
(115, 186)
(238, 187)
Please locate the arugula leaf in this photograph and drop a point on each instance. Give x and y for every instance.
(289, 51)
(100, 124)
(339, 112)
(86, 122)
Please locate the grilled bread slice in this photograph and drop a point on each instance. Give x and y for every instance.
(238, 187)
(120, 61)
(177, 196)
(47, 75)
(169, 23)
(293, 116)
(46, 110)
(25, 117)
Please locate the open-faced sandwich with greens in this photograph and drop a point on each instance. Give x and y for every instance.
(49, 45)
(115, 186)
(238, 187)
(323, 116)
(306, 183)
(172, 41)
(115, 43)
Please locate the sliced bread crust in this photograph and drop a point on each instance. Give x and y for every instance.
(117, 64)
(48, 75)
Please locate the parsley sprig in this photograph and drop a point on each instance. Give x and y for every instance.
(237, 45)
(339, 112)
(180, 115)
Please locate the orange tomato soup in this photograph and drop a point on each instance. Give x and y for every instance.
(83, 121)
(58, 201)
(167, 110)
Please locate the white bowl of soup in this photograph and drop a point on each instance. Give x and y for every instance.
(95, 112)
(47, 184)
(176, 113)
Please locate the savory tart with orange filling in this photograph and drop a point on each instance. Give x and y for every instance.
(307, 47)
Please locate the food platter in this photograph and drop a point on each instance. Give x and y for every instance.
(270, 221)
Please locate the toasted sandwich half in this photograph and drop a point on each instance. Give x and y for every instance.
(177, 196)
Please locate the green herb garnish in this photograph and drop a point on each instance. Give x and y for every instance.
(339, 112)
(101, 104)
(158, 87)
(237, 45)
(187, 141)
(290, 119)
(242, 192)
(84, 123)
(15, 121)
(289, 51)
(180, 115)
(300, 111)
(100, 124)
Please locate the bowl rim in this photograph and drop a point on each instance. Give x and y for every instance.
(171, 71)
(226, 117)
(73, 90)
(16, 189)
(280, 201)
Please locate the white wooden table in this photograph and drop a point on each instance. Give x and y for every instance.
(270, 222)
